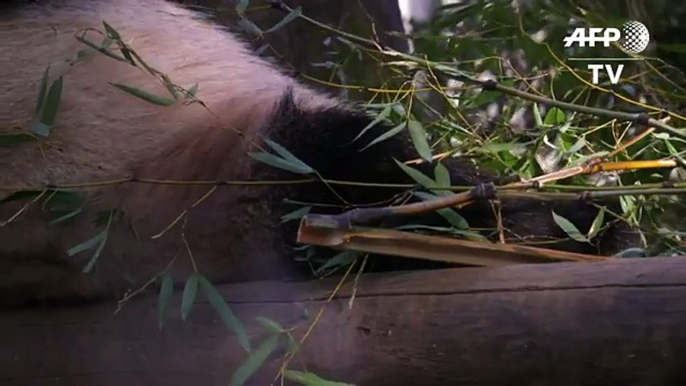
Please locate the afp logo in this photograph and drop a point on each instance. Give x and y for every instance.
(634, 37)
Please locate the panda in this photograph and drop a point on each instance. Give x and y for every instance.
(229, 233)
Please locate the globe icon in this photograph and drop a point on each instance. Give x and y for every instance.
(636, 37)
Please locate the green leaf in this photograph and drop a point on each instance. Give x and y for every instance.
(21, 195)
(569, 228)
(52, 103)
(40, 129)
(294, 14)
(554, 117)
(597, 224)
(241, 6)
(88, 244)
(164, 300)
(66, 216)
(98, 241)
(288, 156)
(537, 115)
(483, 98)
(416, 175)
(578, 145)
(272, 160)
(229, 319)
(91, 263)
(188, 297)
(442, 175)
(146, 96)
(111, 32)
(342, 259)
(310, 379)
(42, 90)
(104, 217)
(14, 139)
(468, 234)
(101, 50)
(64, 201)
(270, 325)
(628, 204)
(379, 118)
(390, 133)
(418, 135)
(454, 218)
(254, 361)
(192, 92)
(496, 148)
(249, 26)
(296, 214)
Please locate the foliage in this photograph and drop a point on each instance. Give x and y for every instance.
(437, 101)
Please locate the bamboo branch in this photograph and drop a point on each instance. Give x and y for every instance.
(321, 230)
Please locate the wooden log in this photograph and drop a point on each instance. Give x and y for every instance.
(616, 322)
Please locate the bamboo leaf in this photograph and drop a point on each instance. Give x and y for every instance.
(272, 160)
(101, 50)
(578, 145)
(111, 32)
(43, 88)
(192, 92)
(188, 297)
(164, 299)
(227, 316)
(483, 98)
(288, 156)
(310, 379)
(537, 115)
(418, 135)
(342, 259)
(442, 176)
(241, 6)
(570, 229)
(454, 218)
(146, 96)
(21, 195)
(379, 118)
(417, 175)
(91, 263)
(296, 214)
(254, 361)
(40, 129)
(51, 105)
(88, 244)
(249, 27)
(294, 14)
(597, 224)
(67, 216)
(390, 133)
(13, 139)
(270, 325)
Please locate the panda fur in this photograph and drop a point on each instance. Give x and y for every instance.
(236, 233)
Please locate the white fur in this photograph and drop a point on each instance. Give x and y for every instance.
(102, 132)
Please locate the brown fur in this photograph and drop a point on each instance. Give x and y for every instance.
(102, 133)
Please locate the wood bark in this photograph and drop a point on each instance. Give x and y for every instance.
(620, 322)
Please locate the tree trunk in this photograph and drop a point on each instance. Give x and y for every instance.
(619, 322)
